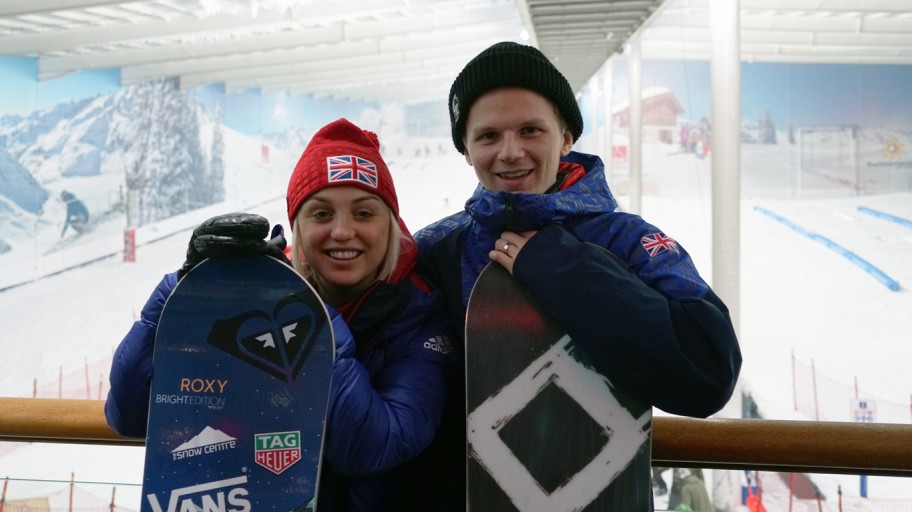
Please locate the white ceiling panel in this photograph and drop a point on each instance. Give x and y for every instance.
(797, 31)
(410, 50)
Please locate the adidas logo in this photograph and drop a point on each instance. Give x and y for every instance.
(440, 344)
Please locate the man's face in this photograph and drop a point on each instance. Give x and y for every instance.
(514, 140)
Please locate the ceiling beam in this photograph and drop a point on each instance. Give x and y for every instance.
(349, 54)
(122, 33)
(305, 80)
(223, 26)
(12, 8)
(207, 53)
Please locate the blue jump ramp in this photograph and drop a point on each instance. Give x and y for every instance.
(875, 272)
(886, 216)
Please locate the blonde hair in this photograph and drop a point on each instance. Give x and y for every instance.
(394, 247)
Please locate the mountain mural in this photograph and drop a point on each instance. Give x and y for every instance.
(146, 139)
(19, 186)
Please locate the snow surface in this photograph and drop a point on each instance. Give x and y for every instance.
(798, 298)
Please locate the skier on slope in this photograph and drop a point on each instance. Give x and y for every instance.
(77, 215)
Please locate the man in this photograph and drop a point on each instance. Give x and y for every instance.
(641, 312)
(688, 491)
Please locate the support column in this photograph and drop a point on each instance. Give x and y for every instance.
(725, 71)
(594, 92)
(726, 153)
(635, 149)
(608, 88)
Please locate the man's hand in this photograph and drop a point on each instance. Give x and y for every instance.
(233, 235)
(507, 248)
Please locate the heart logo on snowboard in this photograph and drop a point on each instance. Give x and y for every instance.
(277, 343)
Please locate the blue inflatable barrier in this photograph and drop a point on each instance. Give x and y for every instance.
(883, 215)
(875, 272)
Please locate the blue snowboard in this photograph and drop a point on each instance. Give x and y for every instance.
(546, 431)
(240, 387)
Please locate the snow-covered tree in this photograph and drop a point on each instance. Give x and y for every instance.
(130, 136)
(168, 163)
(766, 129)
(217, 160)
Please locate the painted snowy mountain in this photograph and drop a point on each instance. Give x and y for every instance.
(138, 151)
(19, 186)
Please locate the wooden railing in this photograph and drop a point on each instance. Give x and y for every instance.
(795, 446)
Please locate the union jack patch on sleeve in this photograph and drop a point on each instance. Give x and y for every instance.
(351, 168)
(657, 243)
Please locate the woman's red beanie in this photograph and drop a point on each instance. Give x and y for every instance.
(340, 154)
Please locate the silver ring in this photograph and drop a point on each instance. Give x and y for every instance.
(506, 246)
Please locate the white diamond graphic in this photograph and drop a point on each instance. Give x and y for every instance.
(592, 391)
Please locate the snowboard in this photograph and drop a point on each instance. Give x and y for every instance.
(546, 431)
(240, 387)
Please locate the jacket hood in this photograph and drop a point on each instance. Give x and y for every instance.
(408, 255)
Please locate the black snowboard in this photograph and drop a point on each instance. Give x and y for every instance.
(546, 432)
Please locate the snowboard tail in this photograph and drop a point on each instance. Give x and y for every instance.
(546, 431)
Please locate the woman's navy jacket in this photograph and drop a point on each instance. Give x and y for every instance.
(386, 400)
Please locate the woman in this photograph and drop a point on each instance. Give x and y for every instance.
(388, 382)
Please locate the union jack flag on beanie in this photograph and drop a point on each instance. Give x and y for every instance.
(341, 154)
(657, 243)
(351, 168)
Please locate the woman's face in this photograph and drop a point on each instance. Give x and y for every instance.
(344, 237)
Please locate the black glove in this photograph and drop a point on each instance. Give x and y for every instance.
(233, 235)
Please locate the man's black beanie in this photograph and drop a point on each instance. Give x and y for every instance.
(510, 64)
